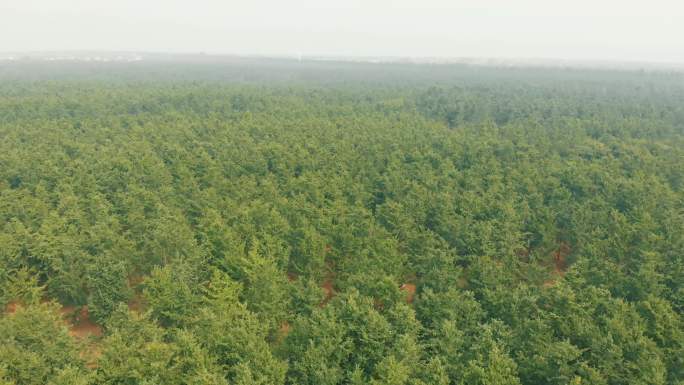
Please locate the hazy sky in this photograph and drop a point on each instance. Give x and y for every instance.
(643, 30)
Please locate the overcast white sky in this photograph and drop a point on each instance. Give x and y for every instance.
(650, 30)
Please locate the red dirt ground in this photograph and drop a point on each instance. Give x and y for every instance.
(79, 323)
(80, 327)
(328, 284)
(285, 327)
(559, 258)
(283, 331)
(12, 307)
(137, 304)
(559, 264)
(329, 289)
(410, 290)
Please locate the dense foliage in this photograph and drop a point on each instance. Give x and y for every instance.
(341, 224)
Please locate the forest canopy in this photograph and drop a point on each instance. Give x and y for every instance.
(283, 222)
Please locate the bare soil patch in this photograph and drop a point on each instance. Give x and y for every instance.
(329, 290)
(560, 264)
(79, 323)
(410, 290)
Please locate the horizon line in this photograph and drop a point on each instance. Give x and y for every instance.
(385, 59)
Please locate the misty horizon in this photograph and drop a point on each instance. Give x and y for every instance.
(611, 31)
(93, 55)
